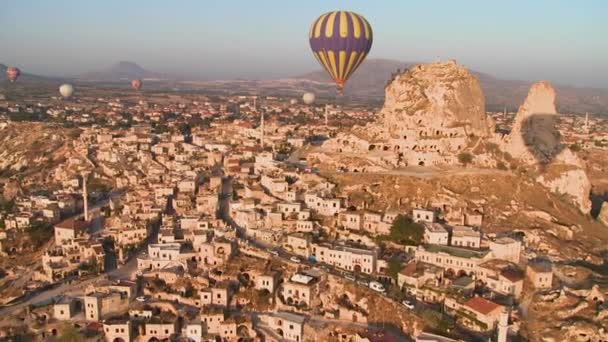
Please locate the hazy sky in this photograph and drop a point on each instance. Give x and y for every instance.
(563, 41)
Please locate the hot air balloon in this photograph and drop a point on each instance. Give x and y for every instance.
(308, 98)
(66, 90)
(340, 41)
(293, 101)
(13, 73)
(136, 84)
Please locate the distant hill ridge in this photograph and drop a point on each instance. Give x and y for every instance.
(123, 70)
(371, 78)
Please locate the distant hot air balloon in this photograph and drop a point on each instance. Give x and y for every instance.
(340, 41)
(136, 84)
(66, 90)
(13, 73)
(293, 101)
(308, 98)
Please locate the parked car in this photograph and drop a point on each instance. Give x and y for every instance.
(141, 299)
(376, 286)
(295, 259)
(363, 282)
(349, 277)
(273, 252)
(408, 304)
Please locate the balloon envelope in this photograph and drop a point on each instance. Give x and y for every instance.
(13, 73)
(308, 98)
(293, 101)
(136, 84)
(66, 90)
(340, 41)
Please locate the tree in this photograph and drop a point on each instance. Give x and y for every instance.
(575, 147)
(405, 231)
(394, 266)
(465, 158)
(39, 233)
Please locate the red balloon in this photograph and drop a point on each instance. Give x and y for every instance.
(13, 73)
(136, 84)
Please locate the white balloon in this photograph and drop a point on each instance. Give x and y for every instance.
(308, 98)
(66, 90)
(293, 101)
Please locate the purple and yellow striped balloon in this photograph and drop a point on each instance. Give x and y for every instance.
(340, 41)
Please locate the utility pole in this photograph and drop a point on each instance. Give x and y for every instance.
(85, 197)
(262, 130)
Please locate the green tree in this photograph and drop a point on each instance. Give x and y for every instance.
(405, 231)
(394, 266)
(465, 158)
(39, 233)
(575, 147)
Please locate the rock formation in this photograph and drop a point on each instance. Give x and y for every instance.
(433, 100)
(603, 215)
(431, 112)
(535, 140)
(534, 137)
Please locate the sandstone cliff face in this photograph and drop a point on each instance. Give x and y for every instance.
(603, 215)
(431, 113)
(535, 140)
(433, 97)
(534, 137)
(572, 182)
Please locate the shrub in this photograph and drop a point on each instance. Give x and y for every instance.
(575, 147)
(465, 158)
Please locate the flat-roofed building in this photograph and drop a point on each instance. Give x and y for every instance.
(423, 215)
(348, 258)
(540, 274)
(464, 236)
(435, 234)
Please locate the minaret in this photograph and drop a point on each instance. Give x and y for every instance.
(587, 122)
(503, 326)
(255, 103)
(85, 197)
(504, 113)
(326, 115)
(262, 130)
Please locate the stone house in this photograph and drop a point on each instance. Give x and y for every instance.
(64, 308)
(540, 274)
(288, 325)
(353, 259)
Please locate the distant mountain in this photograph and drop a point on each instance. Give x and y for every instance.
(120, 71)
(25, 77)
(371, 78)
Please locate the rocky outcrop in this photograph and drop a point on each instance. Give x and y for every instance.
(534, 140)
(430, 114)
(569, 181)
(534, 137)
(429, 100)
(603, 215)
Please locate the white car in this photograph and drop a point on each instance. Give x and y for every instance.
(408, 304)
(376, 286)
(349, 277)
(295, 259)
(363, 282)
(273, 252)
(140, 299)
